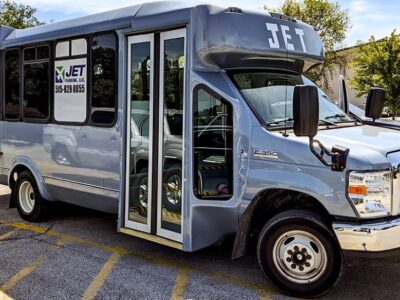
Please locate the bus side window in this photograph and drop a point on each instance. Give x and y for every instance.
(12, 80)
(36, 83)
(212, 145)
(104, 80)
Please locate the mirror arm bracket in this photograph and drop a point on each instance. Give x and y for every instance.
(323, 151)
(338, 155)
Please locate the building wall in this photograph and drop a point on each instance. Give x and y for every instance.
(334, 82)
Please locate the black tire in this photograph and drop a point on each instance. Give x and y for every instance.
(172, 207)
(40, 206)
(292, 222)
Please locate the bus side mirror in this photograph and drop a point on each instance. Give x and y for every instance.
(375, 103)
(305, 123)
(305, 110)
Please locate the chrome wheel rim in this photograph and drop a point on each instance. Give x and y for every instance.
(143, 192)
(174, 190)
(26, 197)
(299, 256)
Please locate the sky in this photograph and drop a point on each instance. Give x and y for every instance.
(368, 17)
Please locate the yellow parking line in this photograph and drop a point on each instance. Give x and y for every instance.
(28, 270)
(67, 237)
(4, 296)
(181, 282)
(265, 296)
(22, 274)
(260, 286)
(101, 277)
(6, 235)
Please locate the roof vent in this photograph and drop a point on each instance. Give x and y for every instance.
(233, 10)
(282, 17)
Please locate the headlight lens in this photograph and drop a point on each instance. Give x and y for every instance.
(371, 193)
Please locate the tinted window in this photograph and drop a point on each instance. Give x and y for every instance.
(36, 90)
(12, 77)
(174, 61)
(172, 53)
(140, 86)
(212, 146)
(140, 78)
(36, 83)
(104, 79)
(42, 52)
(29, 54)
(140, 116)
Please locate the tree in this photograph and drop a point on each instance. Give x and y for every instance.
(17, 15)
(332, 24)
(377, 63)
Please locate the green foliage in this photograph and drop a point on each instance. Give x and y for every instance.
(332, 24)
(17, 15)
(378, 64)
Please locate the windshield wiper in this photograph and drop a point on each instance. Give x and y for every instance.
(277, 122)
(337, 116)
(280, 121)
(327, 122)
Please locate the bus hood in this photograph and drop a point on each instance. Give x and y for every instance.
(370, 142)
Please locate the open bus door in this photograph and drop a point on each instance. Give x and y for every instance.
(154, 177)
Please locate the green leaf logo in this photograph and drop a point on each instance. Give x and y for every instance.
(60, 74)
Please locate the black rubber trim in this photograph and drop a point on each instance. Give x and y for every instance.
(156, 133)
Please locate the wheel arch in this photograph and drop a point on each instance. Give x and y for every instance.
(19, 165)
(264, 206)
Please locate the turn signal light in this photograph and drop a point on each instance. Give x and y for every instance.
(358, 190)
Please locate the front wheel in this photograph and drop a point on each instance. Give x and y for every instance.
(299, 254)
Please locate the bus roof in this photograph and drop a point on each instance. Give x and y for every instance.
(221, 37)
(173, 11)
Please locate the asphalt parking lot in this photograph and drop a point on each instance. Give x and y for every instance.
(78, 254)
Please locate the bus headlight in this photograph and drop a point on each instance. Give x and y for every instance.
(371, 193)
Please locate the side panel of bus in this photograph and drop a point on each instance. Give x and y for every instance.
(61, 119)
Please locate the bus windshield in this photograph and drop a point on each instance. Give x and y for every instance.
(270, 94)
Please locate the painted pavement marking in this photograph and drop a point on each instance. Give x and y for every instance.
(28, 270)
(181, 282)
(262, 287)
(6, 235)
(4, 296)
(102, 276)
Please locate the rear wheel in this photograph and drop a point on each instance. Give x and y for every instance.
(30, 204)
(299, 254)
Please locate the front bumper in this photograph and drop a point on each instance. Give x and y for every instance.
(368, 237)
